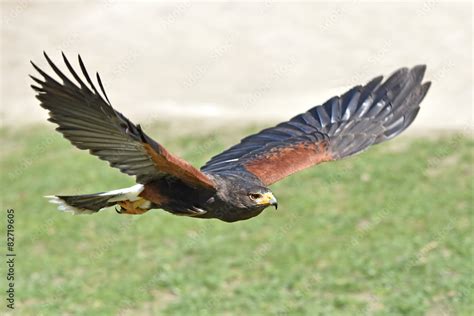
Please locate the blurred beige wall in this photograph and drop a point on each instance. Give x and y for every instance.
(239, 60)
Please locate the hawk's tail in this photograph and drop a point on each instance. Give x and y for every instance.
(92, 203)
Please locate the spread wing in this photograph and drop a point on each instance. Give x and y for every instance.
(88, 121)
(341, 127)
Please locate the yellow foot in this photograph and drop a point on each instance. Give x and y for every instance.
(133, 208)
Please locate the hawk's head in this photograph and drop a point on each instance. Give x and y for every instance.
(239, 199)
(260, 197)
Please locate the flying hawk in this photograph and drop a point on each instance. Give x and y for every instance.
(233, 185)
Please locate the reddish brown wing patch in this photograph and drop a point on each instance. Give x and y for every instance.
(281, 162)
(151, 192)
(167, 163)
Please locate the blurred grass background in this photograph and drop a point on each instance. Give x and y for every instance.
(388, 232)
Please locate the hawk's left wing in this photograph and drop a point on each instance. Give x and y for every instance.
(343, 126)
(88, 121)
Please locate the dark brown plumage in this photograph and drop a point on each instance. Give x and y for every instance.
(231, 186)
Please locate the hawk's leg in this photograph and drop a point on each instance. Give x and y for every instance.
(137, 207)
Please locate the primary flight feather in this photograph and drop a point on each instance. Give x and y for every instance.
(233, 185)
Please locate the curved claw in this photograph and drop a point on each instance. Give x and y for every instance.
(118, 211)
(196, 211)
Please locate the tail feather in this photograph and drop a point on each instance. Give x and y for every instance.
(92, 203)
(80, 204)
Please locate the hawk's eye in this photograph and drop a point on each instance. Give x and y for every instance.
(254, 196)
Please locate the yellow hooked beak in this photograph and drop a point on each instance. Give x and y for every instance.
(268, 199)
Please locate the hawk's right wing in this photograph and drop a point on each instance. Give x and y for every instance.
(343, 126)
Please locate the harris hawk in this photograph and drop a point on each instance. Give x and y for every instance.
(232, 185)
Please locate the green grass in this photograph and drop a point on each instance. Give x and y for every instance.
(388, 232)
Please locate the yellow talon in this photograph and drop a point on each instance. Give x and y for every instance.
(133, 208)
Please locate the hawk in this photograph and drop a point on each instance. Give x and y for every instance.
(232, 185)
